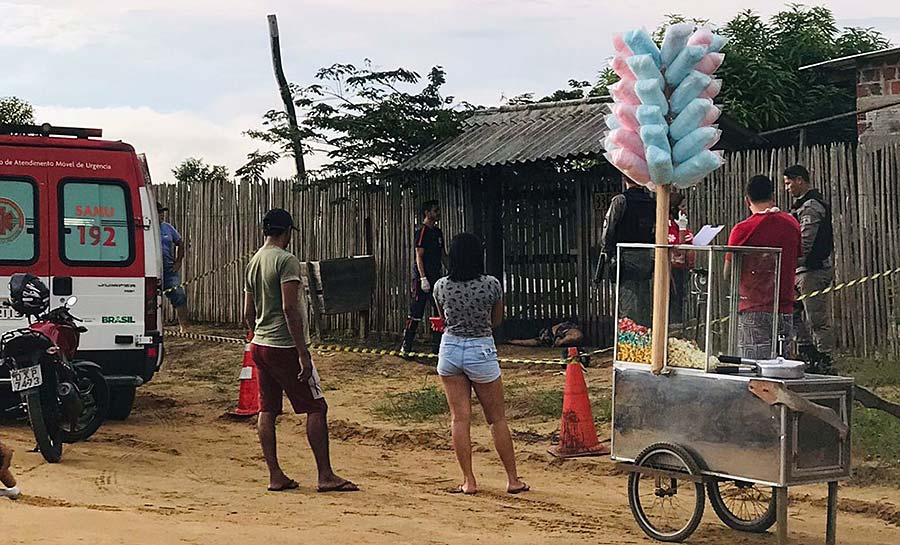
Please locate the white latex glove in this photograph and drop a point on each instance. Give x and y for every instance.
(682, 222)
(425, 284)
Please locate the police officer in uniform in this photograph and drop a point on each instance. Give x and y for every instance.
(630, 218)
(815, 270)
(430, 257)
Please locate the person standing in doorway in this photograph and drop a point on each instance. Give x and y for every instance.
(815, 270)
(430, 256)
(275, 312)
(630, 218)
(173, 250)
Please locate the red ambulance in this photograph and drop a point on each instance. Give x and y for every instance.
(77, 211)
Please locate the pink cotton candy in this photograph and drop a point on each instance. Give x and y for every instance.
(710, 63)
(712, 115)
(713, 90)
(627, 115)
(620, 46)
(623, 93)
(701, 36)
(630, 164)
(621, 68)
(627, 140)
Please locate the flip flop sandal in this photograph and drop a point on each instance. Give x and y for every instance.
(290, 485)
(459, 490)
(523, 488)
(346, 486)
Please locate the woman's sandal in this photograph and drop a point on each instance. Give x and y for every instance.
(523, 488)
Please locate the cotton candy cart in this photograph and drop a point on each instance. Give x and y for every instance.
(708, 428)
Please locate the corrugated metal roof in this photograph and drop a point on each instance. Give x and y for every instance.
(517, 134)
(850, 60)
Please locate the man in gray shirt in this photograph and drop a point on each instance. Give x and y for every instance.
(815, 269)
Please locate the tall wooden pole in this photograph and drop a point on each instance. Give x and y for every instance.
(286, 97)
(661, 280)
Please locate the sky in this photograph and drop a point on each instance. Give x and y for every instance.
(185, 78)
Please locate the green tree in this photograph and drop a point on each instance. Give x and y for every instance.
(193, 170)
(365, 121)
(763, 88)
(16, 111)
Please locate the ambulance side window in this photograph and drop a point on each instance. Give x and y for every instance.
(18, 222)
(96, 229)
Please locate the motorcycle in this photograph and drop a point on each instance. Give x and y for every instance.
(66, 400)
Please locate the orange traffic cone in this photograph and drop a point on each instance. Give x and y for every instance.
(248, 399)
(577, 434)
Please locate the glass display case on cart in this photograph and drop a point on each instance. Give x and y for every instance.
(697, 430)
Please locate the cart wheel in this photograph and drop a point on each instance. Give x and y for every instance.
(743, 506)
(666, 508)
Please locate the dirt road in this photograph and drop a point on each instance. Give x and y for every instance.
(177, 472)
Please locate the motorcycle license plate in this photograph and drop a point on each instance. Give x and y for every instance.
(23, 379)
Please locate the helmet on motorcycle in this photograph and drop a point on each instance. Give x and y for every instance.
(28, 295)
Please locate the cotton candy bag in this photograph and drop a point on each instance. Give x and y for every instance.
(650, 94)
(690, 88)
(692, 117)
(649, 115)
(630, 164)
(694, 142)
(675, 39)
(695, 168)
(684, 64)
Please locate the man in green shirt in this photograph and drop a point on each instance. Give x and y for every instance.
(275, 311)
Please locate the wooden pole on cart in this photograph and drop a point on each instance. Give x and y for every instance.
(661, 280)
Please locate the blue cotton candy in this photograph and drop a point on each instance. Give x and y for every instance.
(690, 118)
(645, 68)
(674, 41)
(718, 42)
(689, 89)
(640, 43)
(612, 122)
(696, 141)
(659, 163)
(656, 136)
(650, 115)
(650, 94)
(684, 63)
(694, 169)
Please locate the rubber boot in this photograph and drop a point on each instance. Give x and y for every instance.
(409, 335)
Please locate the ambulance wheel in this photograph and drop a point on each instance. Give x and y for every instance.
(666, 507)
(121, 401)
(743, 506)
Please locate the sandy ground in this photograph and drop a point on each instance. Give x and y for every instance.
(178, 472)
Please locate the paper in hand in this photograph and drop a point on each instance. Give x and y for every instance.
(707, 234)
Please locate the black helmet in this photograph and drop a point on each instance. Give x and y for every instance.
(28, 295)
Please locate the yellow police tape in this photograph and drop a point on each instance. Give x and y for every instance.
(371, 351)
(850, 284)
(209, 272)
(380, 352)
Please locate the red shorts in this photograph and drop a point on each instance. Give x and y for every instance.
(278, 369)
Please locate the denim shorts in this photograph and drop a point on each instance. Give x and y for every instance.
(475, 357)
(176, 296)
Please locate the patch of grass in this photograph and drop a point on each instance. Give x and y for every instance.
(876, 436)
(416, 406)
(546, 404)
(870, 372)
